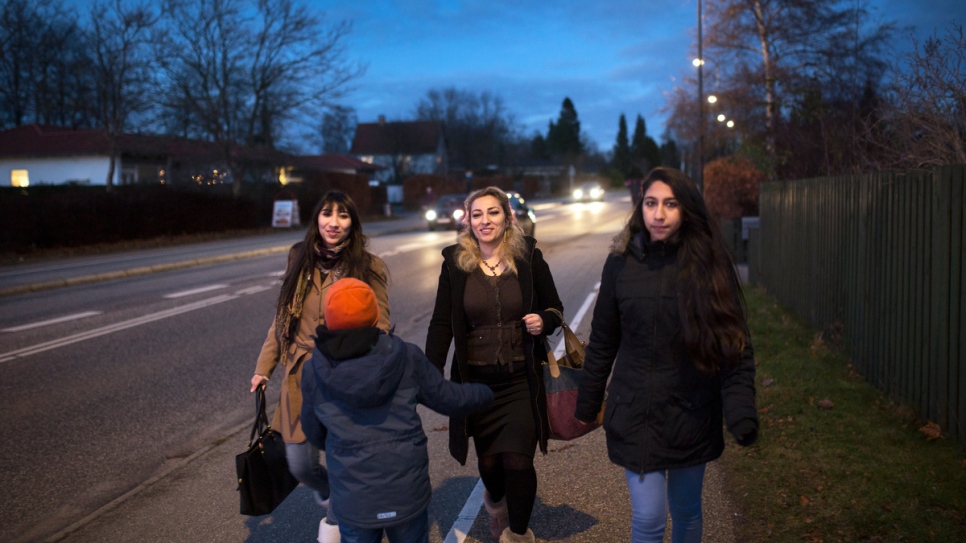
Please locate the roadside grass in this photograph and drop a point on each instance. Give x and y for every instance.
(859, 470)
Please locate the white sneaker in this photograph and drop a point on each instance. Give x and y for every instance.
(328, 533)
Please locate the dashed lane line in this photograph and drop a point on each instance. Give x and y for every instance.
(192, 292)
(48, 322)
(118, 326)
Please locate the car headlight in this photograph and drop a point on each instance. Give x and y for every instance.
(578, 194)
(595, 193)
(458, 214)
(431, 215)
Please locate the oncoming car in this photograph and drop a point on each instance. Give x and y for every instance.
(525, 217)
(589, 192)
(447, 212)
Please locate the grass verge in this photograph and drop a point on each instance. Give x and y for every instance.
(857, 469)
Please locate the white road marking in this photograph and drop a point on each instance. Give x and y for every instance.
(116, 327)
(559, 351)
(464, 521)
(194, 291)
(277, 274)
(48, 322)
(406, 247)
(254, 290)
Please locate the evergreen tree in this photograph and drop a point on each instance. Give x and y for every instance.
(563, 138)
(622, 150)
(670, 156)
(645, 153)
(538, 147)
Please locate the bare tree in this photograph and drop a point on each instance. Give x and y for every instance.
(41, 64)
(925, 123)
(781, 54)
(479, 129)
(122, 68)
(338, 126)
(243, 69)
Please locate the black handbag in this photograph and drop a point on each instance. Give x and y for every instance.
(263, 477)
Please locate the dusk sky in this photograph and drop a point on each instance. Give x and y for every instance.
(609, 56)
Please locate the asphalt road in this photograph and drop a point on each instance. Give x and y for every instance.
(129, 410)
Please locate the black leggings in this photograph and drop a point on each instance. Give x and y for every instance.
(511, 475)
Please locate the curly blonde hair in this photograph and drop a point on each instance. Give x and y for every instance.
(468, 255)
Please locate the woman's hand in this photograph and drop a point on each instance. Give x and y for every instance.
(257, 380)
(533, 323)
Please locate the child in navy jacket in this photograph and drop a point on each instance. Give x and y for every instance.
(360, 391)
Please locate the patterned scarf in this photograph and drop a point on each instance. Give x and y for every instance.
(328, 260)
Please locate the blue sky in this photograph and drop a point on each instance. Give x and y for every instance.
(609, 56)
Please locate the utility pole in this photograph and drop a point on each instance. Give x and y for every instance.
(699, 178)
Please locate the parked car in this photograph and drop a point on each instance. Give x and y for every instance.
(447, 212)
(525, 217)
(589, 192)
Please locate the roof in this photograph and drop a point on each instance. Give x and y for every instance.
(394, 138)
(34, 140)
(335, 162)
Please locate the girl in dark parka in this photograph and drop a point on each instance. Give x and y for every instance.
(669, 324)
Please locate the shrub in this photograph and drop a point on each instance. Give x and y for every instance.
(731, 187)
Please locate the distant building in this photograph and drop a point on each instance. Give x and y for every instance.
(48, 155)
(335, 162)
(402, 148)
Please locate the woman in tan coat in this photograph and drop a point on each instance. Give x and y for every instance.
(334, 247)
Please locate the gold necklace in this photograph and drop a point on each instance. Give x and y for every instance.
(494, 267)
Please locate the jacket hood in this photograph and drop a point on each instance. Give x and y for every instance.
(639, 246)
(367, 379)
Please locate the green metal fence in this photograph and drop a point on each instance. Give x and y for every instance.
(878, 260)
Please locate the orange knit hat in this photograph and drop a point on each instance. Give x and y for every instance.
(350, 303)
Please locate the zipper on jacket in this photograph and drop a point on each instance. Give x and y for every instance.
(650, 366)
(534, 402)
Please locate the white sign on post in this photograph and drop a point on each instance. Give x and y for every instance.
(285, 214)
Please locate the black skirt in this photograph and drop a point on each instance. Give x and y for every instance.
(507, 426)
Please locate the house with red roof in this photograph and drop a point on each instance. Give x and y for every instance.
(402, 148)
(49, 155)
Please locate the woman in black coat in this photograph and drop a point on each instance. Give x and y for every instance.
(669, 322)
(494, 293)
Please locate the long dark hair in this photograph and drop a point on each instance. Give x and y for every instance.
(711, 302)
(355, 261)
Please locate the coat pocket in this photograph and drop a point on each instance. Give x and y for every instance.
(621, 414)
(691, 415)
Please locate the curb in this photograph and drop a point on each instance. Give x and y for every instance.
(120, 500)
(143, 270)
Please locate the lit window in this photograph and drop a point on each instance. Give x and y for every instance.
(19, 178)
